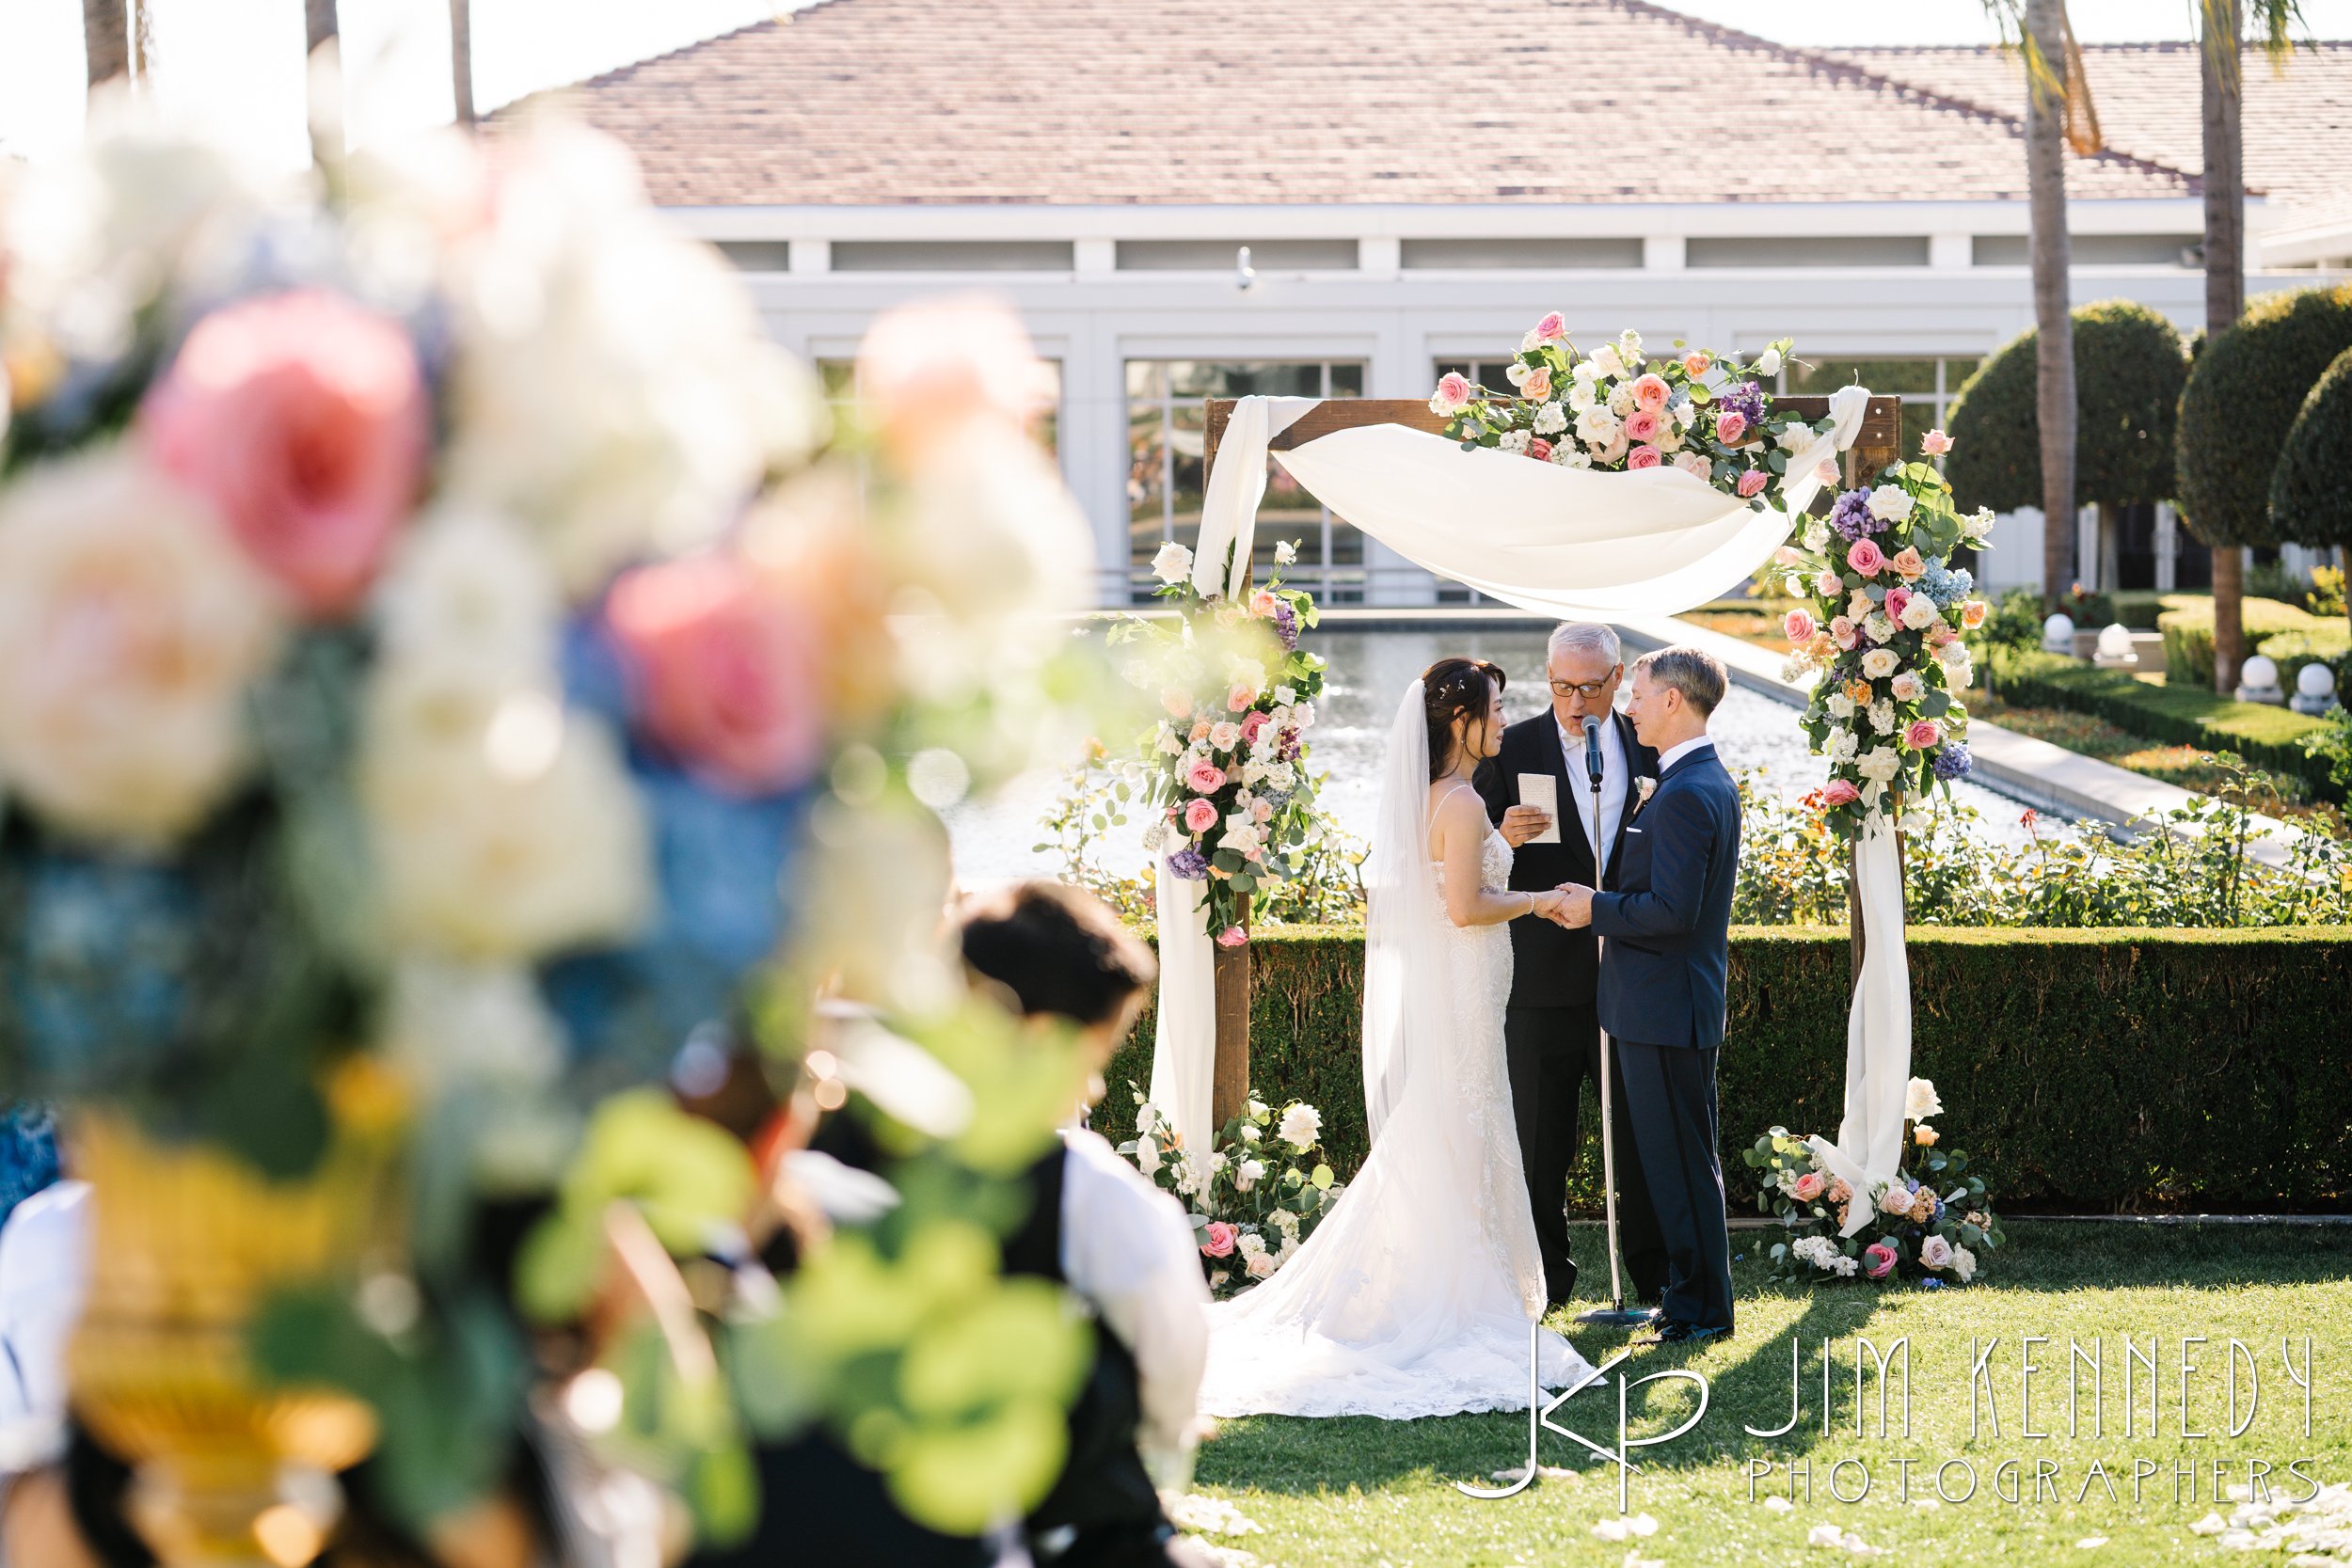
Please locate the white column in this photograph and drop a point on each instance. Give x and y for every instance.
(1094, 256)
(2167, 548)
(811, 255)
(1951, 252)
(1380, 257)
(1663, 253)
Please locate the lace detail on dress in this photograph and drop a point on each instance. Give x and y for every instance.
(1482, 977)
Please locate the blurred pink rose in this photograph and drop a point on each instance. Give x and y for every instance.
(1554, 327)
(1222, 1238)
(1908, 562)
(1840, 792)
(935, 364)
(724, 673)
(1752, 484)
(1539, 383)
(1253, 726)
(1730, 425)
(1972, 613)
(1205, 777)
(1453, 391)
(1650, 391)
(1613, 451)
(1842, 631)
(1199, 817)
(1935, 443)
(1239, 697)
(1232, 936)
(1865, 558)
(1262, 811)
(1826, 470)
(1694, 463)
(1176, 700)
(1798, 626)
(1897, 600)
(303, 419)
(1922, 735)
(1642, 425)
(1696, 363)
(1200, 731)
(1808, 1186)
(1878, 1259)
(1540, 450)
(1644, 456)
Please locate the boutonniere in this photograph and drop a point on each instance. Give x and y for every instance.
(1643, 788)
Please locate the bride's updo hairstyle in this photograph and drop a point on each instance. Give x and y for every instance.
(1455, 689)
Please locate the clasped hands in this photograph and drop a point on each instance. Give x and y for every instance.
(1569, 905)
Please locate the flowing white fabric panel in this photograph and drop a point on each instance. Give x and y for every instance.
(1409, 984)
(1869, 1142)
(1183, 1043)
(1229, 511)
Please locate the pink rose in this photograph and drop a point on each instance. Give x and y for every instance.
(1972, 614)
(1554, 327)
(1878, 1259)
(1798, 626)
(1222, 1240)
(1808, 1186)
(1897, 600)
(1696, 363)
(1539, 449)
(938, 363)
(1729, 426)
(1826, 470)
(1453, 391)
(1644, 456)
(1935, 443)
(1650, 391)
(1239, 699)
(1940, 633)
(1199, 732)
(1908, 563)
(303, 419)
(1205, 777)
(1613, 451)
(1922, 735)
(1642, 425)
(1232, 936)
(1537, 386)
(1840, 792)
(1199, 815)
(1262, 604)
(1844, 632)
(1260, 810)
(723, 670)
(1255, 725)
(1865, 558)
(1752, 484)
(1692, 462)
(1176, 700)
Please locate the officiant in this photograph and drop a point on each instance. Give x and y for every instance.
(1551, 1032)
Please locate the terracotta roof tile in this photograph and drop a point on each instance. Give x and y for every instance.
(1178, 102)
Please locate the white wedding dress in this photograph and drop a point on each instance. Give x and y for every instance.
(1414, 1295)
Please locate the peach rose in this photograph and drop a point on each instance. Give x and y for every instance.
(1554, 327)
(1972, 613)
(1808, 1186)
(303, 419)
(723, 670)
(1696, 363)
(1644, 456)
(1239, 697)
(1924, 1137)
(1642, 425)
(1729, 426)
(1843, 633)
(1260, 810)
(1935, 443)
(1908, 563)
(1865, 558)
(1537, 386)
(1176, 701)
(1650, 391)
(1205, 777)
(1752, 484)
(1798, 626)
(1199, 815)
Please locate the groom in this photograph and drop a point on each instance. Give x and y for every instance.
(1665, 930)
(1552, 1034)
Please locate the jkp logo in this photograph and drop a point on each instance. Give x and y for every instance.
(1539, 1421)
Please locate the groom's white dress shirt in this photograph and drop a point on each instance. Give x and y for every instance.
(1673, 755)
(1614, 784)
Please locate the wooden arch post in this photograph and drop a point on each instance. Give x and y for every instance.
(1879, 444)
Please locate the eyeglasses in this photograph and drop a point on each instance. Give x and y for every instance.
(1592, 691)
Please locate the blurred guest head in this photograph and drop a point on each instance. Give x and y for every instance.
(1057, 952)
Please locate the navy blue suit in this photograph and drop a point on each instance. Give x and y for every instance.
(1666, 947)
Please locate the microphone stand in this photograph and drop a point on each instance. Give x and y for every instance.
(1614, 1315)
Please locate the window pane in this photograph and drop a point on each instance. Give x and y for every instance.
(1823, 377)
(1146, 492)
(1348, 381)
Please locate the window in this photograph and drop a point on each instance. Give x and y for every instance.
(758, 255)
(1223, 255)
(840, 379)
(2095, 250)
(952, 256)
(1166, 423)
(1830, 251)
(1518, 255)
(1927, 386)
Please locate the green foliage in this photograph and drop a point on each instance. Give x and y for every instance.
(2332, 745)
(2113, 1069)
(2129, 366)
(2244, 394)
(2268, 737)
(2308, 503)
(2015, 622)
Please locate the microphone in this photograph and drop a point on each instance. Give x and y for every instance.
(1592, 750)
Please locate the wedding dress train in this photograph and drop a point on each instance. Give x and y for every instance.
(1414, 1295)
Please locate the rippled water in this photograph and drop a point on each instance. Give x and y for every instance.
(1369, 671)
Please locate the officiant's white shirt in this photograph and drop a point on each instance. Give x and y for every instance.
(1613, 787)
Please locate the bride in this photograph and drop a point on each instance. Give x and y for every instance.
(1414, 1295)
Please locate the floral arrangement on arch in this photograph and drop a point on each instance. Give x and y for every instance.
(1932, 1222)
(1225, 767)
(1254, 1197)
(1880, 633)
(1705, 413)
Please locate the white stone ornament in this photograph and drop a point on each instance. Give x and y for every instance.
(2058, 634)
(2258, 681)
(2314, 690)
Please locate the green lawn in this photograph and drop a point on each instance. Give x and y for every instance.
(1368, 1492)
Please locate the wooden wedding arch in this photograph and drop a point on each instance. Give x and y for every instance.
(1879, 443)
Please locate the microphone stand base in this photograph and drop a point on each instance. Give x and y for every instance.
(1617, 1316)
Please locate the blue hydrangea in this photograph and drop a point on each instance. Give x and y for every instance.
(1947, 585)
(1952, 761)
(1850, 516)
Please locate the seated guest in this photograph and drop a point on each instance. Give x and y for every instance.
(1061, 958)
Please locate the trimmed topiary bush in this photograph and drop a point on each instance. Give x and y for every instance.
(2243, 395)
(2129, 369)
(2310, 502)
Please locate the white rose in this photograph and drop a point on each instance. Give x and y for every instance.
(1793, 434)
(1597, 427)
(1767, 362)
(1909, 687)
(1580, 395)
(1301, 1125)
(1550, 419)
(1879, 763)
(1261, 1264)
(1284, 696)
(1920, 1100)
(1878, 663)
(1889, 503)
(1147, 1154)
(1173, 564)
(1216, 1161)
(1605, 362)
(1303, 717)
(1840, 706)
(1685, 412)
(1224, 735)
(1286, 553)
(1963, 1264)
(1529, 340)
(1517, 374)
(1246, 1174)
(1860, 607)
(1920, 612)
(131, 630)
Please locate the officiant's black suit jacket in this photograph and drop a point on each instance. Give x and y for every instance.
(1552, 967)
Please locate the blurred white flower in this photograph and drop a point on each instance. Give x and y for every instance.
(1889, 503)
(468, 597)
(1173, 564)
(131, 626)
(1301, 1125)
(1920, 1100)
(1879, 763)
(1767, 362)
(1147, 1154)
(1285, 553)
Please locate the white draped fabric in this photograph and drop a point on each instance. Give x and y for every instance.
(1560, 541)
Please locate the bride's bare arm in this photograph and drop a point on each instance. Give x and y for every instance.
(1459, 834)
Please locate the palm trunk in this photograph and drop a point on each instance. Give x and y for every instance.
(322, 30)
(461, 60)
(2225, 284)
(2054, 401)
(106, 40)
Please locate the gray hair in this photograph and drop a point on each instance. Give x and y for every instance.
(1589, 637)
(1698, 676)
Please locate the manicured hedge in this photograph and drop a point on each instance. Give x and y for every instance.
(2082, 1070)
(2265, 737)
(2243, 395)
(2308, 503)
(2292, 636)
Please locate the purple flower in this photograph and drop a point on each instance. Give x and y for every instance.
(1746, 399)
(1952, 761)
(1286, 623)
(1191, 864)
(1851, 517)
(1287, 751)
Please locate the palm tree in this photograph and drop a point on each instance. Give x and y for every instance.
(2053, 305)
(2221, 25)
(461, 60)
(107, 40)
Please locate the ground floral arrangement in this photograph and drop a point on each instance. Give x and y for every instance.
(1226, 767)
(1932, 1222)
(1613, 409)
(1254, 1197)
